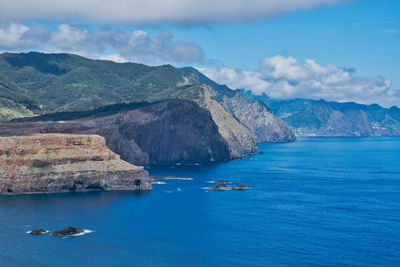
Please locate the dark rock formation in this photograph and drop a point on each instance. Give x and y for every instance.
(168, 132)
(38, 231)
(46, 163)
(220, 185)
(240, 187)
(68, 231)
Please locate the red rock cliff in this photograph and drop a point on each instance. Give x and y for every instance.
(62, 162)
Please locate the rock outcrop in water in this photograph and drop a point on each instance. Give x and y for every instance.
(38, 231)
(68, 231)
(168, 132)
(221, 186)
(63, 163)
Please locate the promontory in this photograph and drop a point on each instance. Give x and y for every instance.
(47, 163)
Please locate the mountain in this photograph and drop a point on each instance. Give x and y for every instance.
(254, 114)
(33, 84)
(36, 83)
(322, 118)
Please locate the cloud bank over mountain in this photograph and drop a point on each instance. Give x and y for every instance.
(128, 45)
(156, 11)
(286, 78)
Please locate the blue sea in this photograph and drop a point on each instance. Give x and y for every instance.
(318, 201)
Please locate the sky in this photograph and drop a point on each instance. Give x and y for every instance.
(337, 50)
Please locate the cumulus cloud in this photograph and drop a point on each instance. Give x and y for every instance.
(154, 11)
(286, 78)
(135, 45)
(10, 34)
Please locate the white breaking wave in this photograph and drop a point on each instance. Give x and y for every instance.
(28, 232)
(85, 231)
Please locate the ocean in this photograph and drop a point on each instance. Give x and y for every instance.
(318, 201)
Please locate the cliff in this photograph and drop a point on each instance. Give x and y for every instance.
(260, 121)
(168, 132)
(62, 163)
(239, 139)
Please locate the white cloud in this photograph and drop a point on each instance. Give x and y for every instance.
(129, 45)
(286, 78)
(10, 34)
(153, 11)
(113, 57)
(237, 78)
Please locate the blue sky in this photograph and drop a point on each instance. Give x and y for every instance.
(364, 35)
(255, 45)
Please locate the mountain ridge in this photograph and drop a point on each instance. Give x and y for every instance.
(62, 86)
(329, 118)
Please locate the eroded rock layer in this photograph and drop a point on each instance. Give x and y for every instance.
(64, 162)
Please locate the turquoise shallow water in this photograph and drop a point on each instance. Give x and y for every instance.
(319, 201)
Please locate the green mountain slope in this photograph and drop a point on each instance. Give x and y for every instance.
(63, 82)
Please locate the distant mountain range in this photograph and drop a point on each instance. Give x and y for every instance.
(322, 118)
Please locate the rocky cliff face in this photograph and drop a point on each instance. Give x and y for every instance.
(63, 163)
(262, 123)
(239, 139)
(168, 132)
(253, 114)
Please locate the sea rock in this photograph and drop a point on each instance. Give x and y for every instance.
(240, 187)
(221, 185)
(68, 231)
(38, 231)
(63, 163)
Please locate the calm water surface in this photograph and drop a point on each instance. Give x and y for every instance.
(319, 201)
